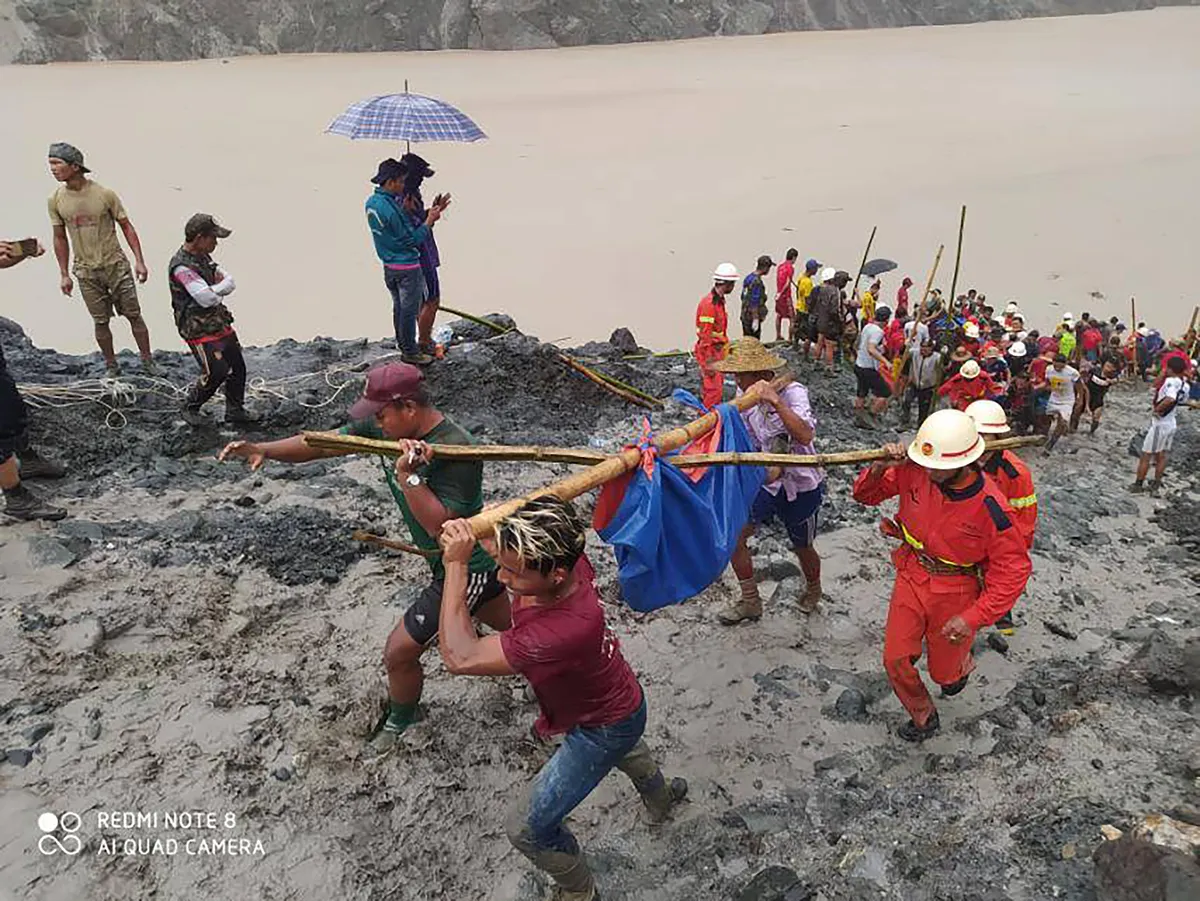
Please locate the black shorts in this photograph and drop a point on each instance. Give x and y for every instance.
(870, 381)
(1096, 396)
(421, 617)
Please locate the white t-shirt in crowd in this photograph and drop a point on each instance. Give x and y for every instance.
(915, 333)
(871, 334)
(1062, 385)
(1172, 388)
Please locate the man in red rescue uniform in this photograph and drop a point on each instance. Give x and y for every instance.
(961, 562)
(1011, 476)
(712, 323)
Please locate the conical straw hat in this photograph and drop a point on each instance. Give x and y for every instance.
(749, 355)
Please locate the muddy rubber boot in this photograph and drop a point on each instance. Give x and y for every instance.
(811, 597)
(659, 804)
(862, 420)
(910, 731)
(21, 503)
(35, 466)
(949, 691)
(743, 611)
(573, 877)
(1153, 487)
(1137, 487)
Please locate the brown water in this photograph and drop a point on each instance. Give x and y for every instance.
(617, 177)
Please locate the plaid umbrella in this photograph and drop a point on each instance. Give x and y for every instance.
(405, 117)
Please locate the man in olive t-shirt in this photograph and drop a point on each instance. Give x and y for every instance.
(85, 216)
(396, 405)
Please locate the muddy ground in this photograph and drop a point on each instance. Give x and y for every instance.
(199, 638)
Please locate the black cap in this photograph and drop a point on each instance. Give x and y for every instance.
(842, 278)
(389, 169)
(68, 153)
(204, 224)
(765, 260)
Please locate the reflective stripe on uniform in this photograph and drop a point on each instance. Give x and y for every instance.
(919, 545)
(1020, 503)
(707, 319)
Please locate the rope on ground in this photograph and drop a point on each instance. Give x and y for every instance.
(120, 396)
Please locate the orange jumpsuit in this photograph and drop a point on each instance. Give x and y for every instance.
(1015, 482)
(711, 339)
(961, 555)
(963, 391)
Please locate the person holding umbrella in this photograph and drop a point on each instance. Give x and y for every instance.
(398, 239)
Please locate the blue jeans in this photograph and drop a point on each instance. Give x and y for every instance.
(407, 287)
(585, 757)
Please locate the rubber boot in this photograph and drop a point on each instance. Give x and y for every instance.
(741, 611)
(35, 466)
(910, 731)
(570, 872)
(239, 416)
(812, 593)
(862, 420)
(21, 503)
(659, 795)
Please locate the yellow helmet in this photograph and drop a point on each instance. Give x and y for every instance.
(948, 439)
(989, 417)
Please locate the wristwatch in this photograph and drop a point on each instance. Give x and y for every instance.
(413, 481)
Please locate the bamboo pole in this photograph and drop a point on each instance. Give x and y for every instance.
(929, 284)
(836, 459)
(353, 444)
(613, 380)
(624, 393)
(962, 224)
(1132, 369)
(478, 320)
(866, 255)
(579, 483)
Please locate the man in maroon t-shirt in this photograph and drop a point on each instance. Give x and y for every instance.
(585, 688)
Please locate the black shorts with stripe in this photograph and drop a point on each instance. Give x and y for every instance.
(421, 618)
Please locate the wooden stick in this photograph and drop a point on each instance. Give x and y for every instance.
(1133, 363)
(478, 320)
(863, 264)
(352, 444)
(962, 224)
(616, 382)
(929, 284)
(579, 483)
(836, 459)
(596, 378)
(369, 538)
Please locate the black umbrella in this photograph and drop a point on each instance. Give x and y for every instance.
(878, 267)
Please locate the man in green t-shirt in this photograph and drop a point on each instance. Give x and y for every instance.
(396, 405)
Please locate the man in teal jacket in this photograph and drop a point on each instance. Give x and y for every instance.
(397, 243)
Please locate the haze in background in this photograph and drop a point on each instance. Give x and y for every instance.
(616, 178)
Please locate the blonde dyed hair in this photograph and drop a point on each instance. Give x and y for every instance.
(547, 533)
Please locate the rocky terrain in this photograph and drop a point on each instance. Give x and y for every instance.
(197, 637)
(36, 31)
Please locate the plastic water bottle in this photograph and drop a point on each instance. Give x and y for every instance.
(443, 334)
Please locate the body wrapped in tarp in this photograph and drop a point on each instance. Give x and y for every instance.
(674, 530)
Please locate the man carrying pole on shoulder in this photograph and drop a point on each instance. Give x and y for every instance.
(396, 405)
(587, 692)
(961, 562)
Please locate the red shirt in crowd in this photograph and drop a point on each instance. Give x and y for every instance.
(783, 279)
(571, 659)
(1092, 339)
(962, 392)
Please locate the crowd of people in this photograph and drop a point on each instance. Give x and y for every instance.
(935, 352)
(966, 511)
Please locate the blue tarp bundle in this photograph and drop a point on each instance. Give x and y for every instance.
(673, 536)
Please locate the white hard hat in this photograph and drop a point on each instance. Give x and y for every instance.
(828, 273)
(971, 330)
(970, 370)
(1068, 317)
(726, 272)
(1017, 350)
(1144, 332)
(989, 417)
(948, 439)
(1012, 307)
